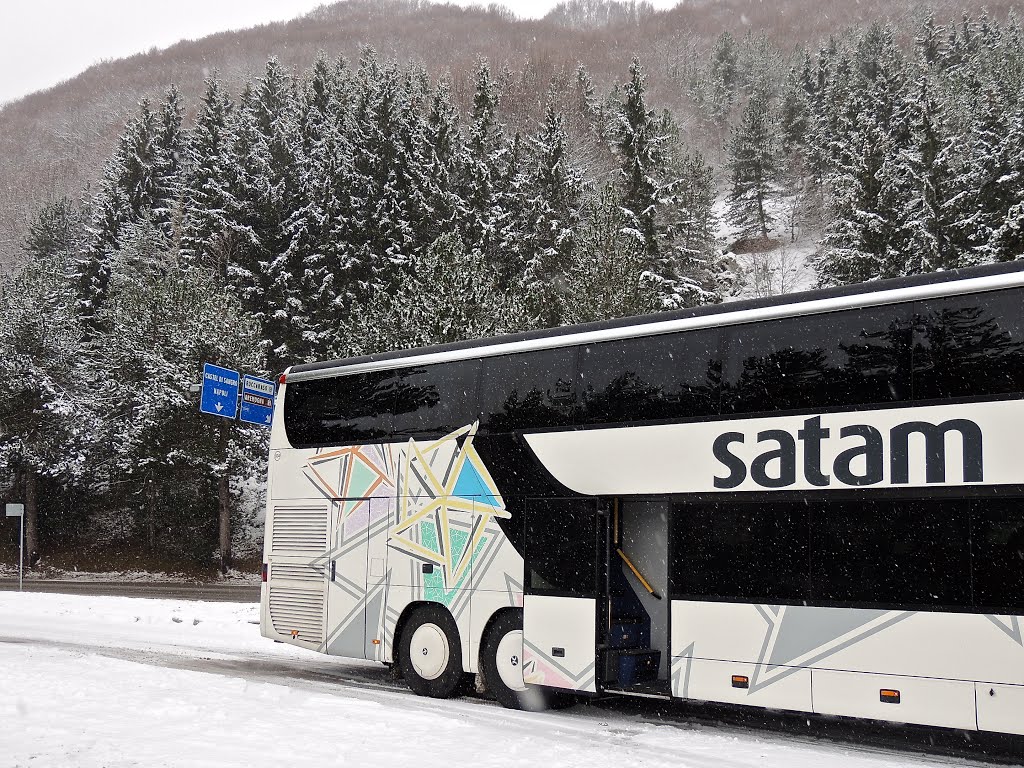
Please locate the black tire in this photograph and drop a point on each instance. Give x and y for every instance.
(438, 680)
(527, 697)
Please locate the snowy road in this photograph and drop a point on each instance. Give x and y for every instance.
(118, 682)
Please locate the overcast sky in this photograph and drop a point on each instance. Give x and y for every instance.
(43, 42)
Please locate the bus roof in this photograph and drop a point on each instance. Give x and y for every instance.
(874, 293)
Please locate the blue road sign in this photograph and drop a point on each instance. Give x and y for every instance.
(257, 400)
(220, 391)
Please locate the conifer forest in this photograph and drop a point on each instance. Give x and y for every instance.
(365, 203)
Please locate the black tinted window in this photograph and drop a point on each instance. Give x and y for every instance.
(561, 546)
(912, 552)
(998, 537)
(433, 400)
(339, 410)
(528, 390)
(818, 361)
(739, 551)
(658, 377)
(969, 345)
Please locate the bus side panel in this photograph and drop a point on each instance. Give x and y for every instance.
(712, 642)
(946, 703)
(293, 477)
(559, 649)
(902, 650)
(1000, 707)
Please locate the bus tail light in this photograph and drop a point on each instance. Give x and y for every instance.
(281, 379)
(264, 573)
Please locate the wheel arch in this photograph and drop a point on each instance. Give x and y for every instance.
(403, 620)
(489, 626)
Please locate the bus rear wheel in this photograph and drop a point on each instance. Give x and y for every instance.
(502, 665)
(430, 654)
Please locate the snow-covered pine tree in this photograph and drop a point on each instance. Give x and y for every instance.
(716, 91)
(278, 142)
(856, 243)
(46, 414)
(754, 167)
(263, 192)
(444, 155)
(553, 211)
(640, 143)
(514, 234)
(795, 110)
(452, 294)
(653, 194)
(127, 191)
(927, 39)
(169, 145)
(314, 253)
(832, 91)
(58, 232)
(914, 186)
(862, 241)
(486, 150)
(205, 238)
(1007, 240)
(608, 275)
(170, 463)
(693, 225)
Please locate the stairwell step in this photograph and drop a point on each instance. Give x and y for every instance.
(638, 665)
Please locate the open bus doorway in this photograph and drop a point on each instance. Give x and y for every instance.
(636, 644)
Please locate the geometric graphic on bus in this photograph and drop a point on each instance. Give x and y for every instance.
(540, 668)
(351, 474)
(799, 636)
(1009, 626)
(434, 587)
(446, 499)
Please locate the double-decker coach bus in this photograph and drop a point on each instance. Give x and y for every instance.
(812, 503)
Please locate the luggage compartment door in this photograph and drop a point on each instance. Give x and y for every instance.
(564, 539)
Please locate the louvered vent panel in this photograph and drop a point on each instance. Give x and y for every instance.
(310, 574)
(299, 531)
(297, 610)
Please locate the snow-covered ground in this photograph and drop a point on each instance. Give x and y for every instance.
(115, 682)
(788, 267)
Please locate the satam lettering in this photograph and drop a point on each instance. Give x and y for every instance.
(860, 463)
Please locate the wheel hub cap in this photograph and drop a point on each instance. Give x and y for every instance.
(429, 651)
(509, 660)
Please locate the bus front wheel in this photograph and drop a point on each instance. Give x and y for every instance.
(430, 655)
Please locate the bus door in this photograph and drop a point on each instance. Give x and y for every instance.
(566, 545)
(347, 574)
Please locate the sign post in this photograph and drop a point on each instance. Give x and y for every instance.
(220, 391)
(18, 510)
(257, 401)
